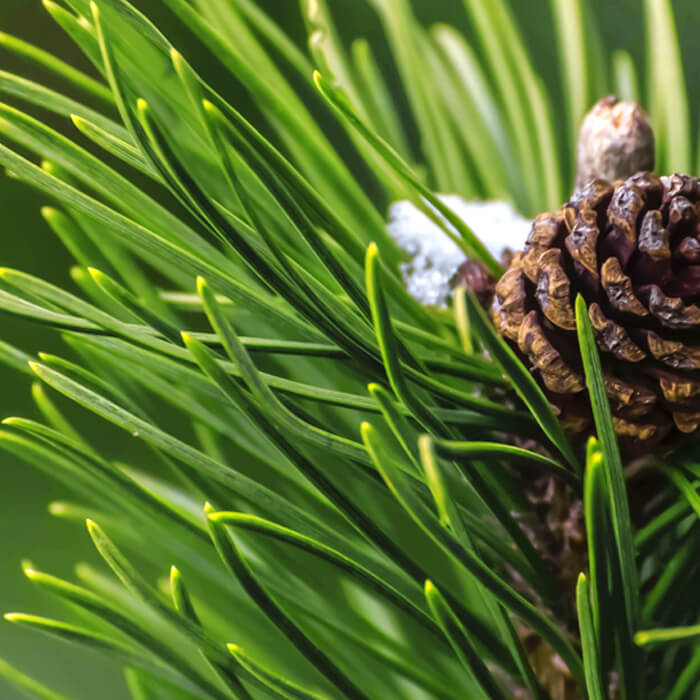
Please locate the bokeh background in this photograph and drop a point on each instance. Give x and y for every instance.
(26, 528)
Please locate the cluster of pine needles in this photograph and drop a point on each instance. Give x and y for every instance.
(325, 471)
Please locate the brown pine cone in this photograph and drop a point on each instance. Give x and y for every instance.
(632, 249)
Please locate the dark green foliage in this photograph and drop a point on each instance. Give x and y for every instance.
(327, 467)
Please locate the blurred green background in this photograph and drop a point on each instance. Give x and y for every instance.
(26, 529)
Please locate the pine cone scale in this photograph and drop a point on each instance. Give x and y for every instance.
(582, 246)
(613, 338)
(555, 372)
(553, 292)
(619, 290)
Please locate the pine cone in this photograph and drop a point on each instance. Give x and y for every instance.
(632, 249)
(556, 530)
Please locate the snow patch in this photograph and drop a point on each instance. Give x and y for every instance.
(434, 257)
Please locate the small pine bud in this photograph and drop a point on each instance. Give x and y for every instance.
(616, 141)
(474, 275)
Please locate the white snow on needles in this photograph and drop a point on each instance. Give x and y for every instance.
(434, 257)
